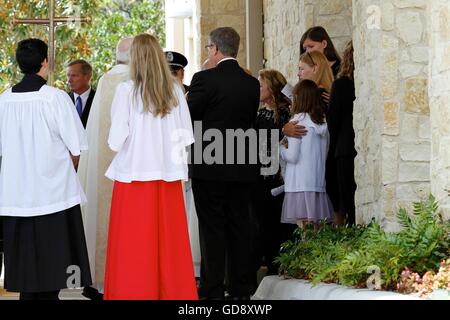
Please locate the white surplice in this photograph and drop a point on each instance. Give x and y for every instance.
(37, 132)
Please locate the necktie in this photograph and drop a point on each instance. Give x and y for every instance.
(79, 106)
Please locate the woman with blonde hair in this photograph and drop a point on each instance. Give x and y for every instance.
(272, 116)
(148, 255)
(314, 66)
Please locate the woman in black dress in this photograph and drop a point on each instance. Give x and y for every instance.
(272, 116)
(342, 136)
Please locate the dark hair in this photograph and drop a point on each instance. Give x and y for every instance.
(348, 64)
(86, 68)
(227, 41)
(308, 99)
(30, 54)
(318, 34)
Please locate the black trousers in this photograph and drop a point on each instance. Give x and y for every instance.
(225, 227)
(347, 187)
(270, 232)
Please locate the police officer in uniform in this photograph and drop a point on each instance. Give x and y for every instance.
(177, 63)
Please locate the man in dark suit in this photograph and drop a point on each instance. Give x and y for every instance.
(79, 74)
(221, 99)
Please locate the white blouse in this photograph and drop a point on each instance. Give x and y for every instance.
(149, 148)
(306, 157)
(37, 132)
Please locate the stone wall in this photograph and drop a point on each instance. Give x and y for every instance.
(286, 20)
(211, 14)
(439, 88)
(391, 118)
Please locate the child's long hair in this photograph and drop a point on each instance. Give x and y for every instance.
(151, 75)
(308, 99)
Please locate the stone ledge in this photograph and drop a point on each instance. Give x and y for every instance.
(277, 288)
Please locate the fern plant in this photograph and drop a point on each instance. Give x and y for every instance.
(424, 237)
(343, 255)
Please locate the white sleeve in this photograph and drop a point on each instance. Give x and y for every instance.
(292, 153)
(69, 124)
(120, 118)
(185, 116)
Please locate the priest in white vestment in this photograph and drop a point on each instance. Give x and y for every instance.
(93, 165)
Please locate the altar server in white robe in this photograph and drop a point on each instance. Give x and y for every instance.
(41, 138)
(93, 165)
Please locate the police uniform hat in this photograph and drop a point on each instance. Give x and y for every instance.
(176, 60)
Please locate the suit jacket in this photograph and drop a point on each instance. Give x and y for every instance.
(340, 118)
(223, 98)
(87, 108)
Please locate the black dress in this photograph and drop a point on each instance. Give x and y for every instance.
(43, 254)
(342, 135)
(335, 68)
(271, 233)
(331, 179)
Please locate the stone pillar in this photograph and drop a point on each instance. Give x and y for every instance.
(391, 116)
(439, 80)
(211, 14)
(255, 40)
(285, 21)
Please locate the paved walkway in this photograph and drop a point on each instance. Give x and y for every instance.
(64, 295)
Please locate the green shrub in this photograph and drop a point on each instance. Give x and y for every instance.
(343, 255)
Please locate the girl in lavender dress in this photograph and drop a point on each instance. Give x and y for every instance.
(306, 200)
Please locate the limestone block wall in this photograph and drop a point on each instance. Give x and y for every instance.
(286, 20)
(211, 14)
(392, 114)
(439, 89)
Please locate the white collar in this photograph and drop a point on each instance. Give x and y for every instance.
(84, 96)
(226, 59)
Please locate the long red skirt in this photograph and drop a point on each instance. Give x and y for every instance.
(149, 255)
